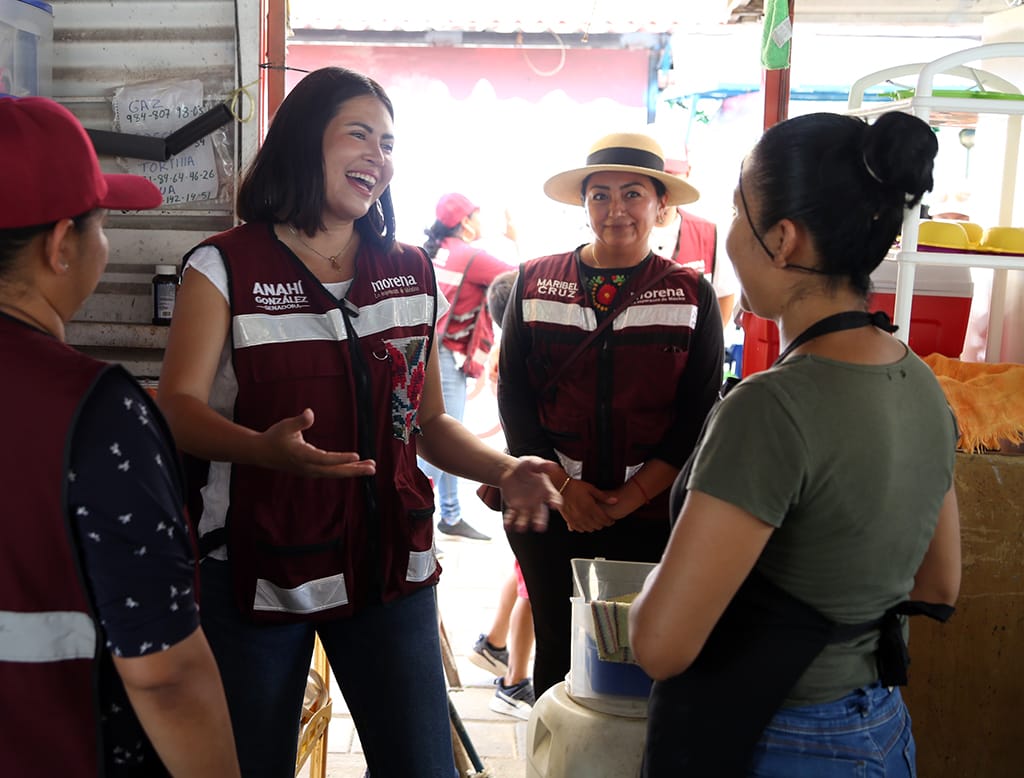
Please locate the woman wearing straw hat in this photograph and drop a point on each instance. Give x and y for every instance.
(100, 644)
(611, 357)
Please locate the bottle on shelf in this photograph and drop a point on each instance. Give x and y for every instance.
(165, 288)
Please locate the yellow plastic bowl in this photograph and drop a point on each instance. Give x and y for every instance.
(974, 232)
(1004, 239)
(942, 234)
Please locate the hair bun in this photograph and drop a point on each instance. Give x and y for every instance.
(899, 153)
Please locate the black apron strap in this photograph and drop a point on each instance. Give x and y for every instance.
(837, 322)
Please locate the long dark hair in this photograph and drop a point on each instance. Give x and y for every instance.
(285, 182)
(436, 234)
(846, 181)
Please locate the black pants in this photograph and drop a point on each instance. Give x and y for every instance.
(545, 560)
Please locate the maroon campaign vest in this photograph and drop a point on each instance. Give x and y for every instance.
(305, 549)
(696, 244)
(467, 327)
(617, 400)
(44, 610)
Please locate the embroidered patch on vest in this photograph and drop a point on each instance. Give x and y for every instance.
(604, 289)
(408, 371)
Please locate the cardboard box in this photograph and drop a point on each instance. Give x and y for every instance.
(26, 48)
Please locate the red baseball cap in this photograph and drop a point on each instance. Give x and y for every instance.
(453, 208)
(50, 169)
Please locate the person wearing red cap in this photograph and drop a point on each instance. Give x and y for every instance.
(302, 367)
(466, 333)
(99, 627)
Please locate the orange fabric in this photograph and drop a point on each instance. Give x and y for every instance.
(988, 400)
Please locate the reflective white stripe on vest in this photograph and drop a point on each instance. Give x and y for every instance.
(449, 277)
(412, 311)
(53, 636)
(565, 314)
(422, 565)
(310, 597)
(260, 329)
(658, 315)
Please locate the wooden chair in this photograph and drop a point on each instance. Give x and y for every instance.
(316, 716)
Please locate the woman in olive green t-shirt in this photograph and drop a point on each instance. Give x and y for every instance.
(820, 497)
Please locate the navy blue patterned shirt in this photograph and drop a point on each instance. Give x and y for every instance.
(125, 504)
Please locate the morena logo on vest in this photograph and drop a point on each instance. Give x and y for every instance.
(279, 297)
(664, 294)
(394, 285)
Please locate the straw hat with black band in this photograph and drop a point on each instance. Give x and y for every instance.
(621, 152)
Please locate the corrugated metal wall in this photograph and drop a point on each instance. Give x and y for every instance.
(100, 46)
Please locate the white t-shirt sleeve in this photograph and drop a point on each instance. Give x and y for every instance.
(442, 303)
(208, 261)
(724, 279)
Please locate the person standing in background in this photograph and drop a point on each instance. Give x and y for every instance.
(99, 626)
(692, 241)
(505, 648)
(465, 333)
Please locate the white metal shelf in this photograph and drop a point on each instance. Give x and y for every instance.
(993, 261)
(957, 111)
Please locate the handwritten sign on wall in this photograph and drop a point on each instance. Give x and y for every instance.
(156, 109)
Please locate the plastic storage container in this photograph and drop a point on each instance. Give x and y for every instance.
(618, 688)
(568, 740)
(26, 48)
(941, 307)
(938, 316)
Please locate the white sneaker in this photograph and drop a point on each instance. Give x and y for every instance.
(516, 700)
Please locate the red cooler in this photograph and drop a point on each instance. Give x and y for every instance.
(941, 307)
(938, 316)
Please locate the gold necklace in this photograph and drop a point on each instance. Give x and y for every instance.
(333, 259)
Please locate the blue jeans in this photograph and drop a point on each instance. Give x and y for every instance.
(866, 734)
(453, 388)
(386, 659)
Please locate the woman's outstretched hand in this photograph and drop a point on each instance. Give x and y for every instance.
(527, 493)
(287, 449)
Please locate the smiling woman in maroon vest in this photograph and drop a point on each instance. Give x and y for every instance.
(302, 367)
